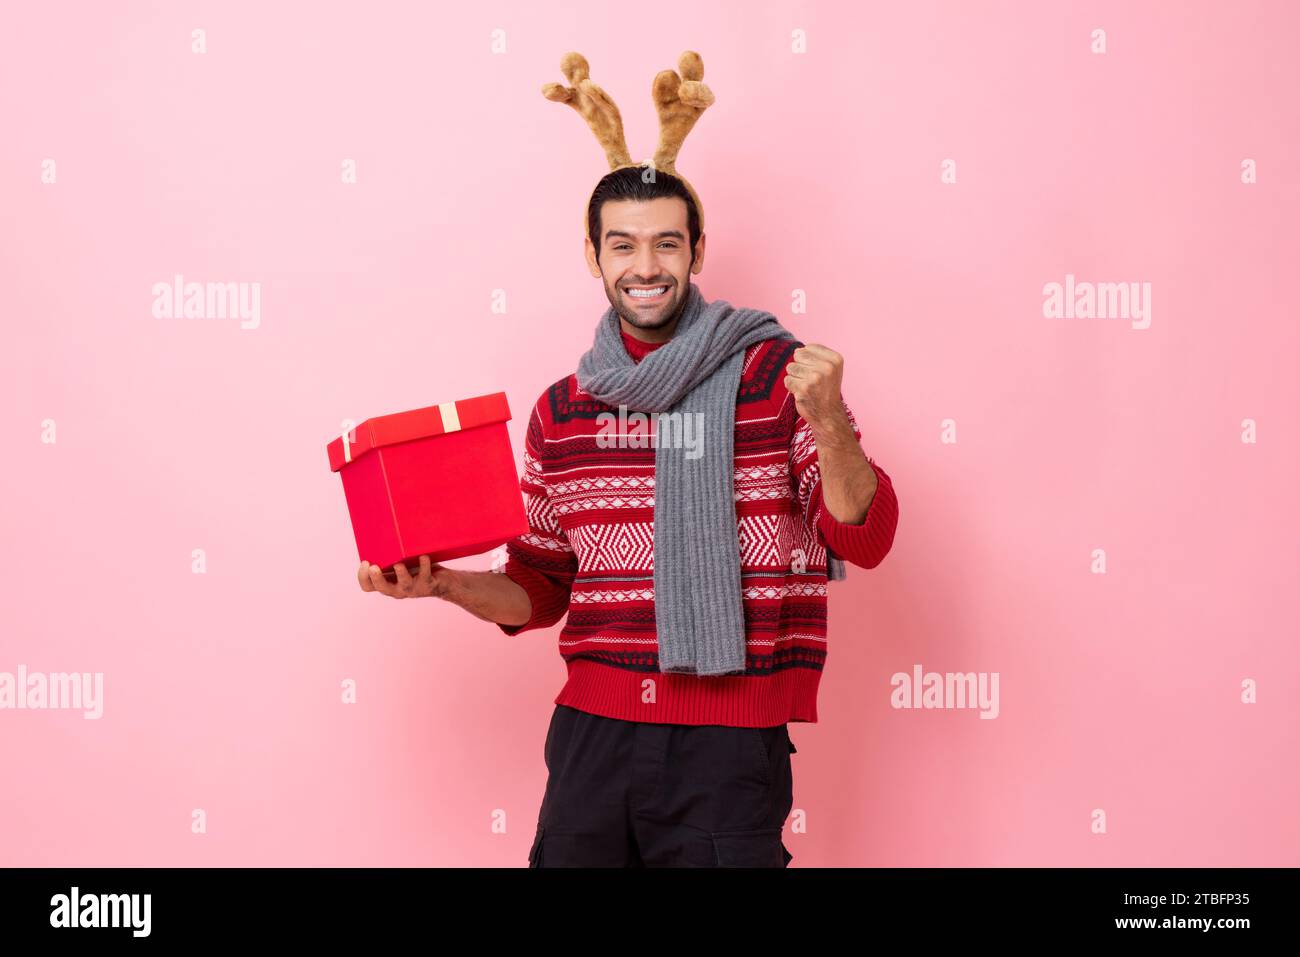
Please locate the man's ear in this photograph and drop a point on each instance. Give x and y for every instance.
(699, 255)
(590, 252)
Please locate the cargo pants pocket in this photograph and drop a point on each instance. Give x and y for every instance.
(751, 847)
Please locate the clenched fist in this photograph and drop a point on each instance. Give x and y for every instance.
(813, 378)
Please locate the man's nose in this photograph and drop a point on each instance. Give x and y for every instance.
(647, 265)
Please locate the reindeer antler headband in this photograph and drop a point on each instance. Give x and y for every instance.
(679, 100)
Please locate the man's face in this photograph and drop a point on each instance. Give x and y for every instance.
(645, 262)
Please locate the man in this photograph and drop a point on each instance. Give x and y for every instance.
(684, 763)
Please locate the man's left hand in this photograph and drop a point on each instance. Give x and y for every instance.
(813, 378)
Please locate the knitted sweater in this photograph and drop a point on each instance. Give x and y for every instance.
(590, 552)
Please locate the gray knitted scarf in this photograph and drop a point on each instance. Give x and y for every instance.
(699, 617)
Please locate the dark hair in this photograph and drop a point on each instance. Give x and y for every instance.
(627, 184)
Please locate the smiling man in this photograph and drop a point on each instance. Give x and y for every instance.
(677, 755)
(695, 588)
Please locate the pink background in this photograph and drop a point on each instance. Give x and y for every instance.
(820, 172)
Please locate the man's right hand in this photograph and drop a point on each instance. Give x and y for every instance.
(431, 581)
(491, 596)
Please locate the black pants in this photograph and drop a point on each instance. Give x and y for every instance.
(636, 794)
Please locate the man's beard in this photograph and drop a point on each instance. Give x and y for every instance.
(646, 319)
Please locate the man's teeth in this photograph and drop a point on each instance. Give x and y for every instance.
(648, 293)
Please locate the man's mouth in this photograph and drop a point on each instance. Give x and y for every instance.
(646, 293)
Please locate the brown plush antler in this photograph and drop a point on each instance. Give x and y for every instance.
(595, 106)
(680, 100)
(679, 97)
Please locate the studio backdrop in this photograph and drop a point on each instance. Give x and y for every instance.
(1054, 242)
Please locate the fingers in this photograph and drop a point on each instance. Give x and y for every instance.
(814, 354)
(814, 362)
(810, 371)
(816, 349)
(371, 577)
(375, 576)
(428, 582)
(424, 577)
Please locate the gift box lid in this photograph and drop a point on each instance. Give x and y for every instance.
(417, 424)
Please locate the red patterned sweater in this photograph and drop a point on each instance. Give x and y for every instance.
(590, 552)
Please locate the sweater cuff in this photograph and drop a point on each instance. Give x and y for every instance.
(867, 543)
(549, 601)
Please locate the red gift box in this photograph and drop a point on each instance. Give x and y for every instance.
(437, 481)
